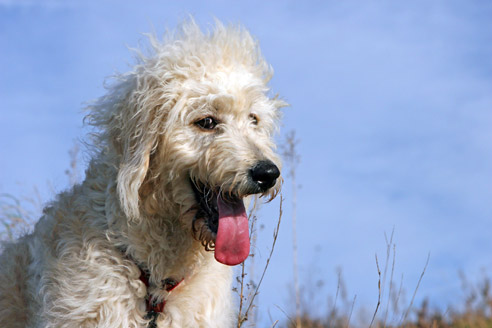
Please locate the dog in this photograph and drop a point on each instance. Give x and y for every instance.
(179, 144)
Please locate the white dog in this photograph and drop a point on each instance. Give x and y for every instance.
(147, 240)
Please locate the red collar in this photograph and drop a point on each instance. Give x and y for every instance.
(153, 308)
(168, 284)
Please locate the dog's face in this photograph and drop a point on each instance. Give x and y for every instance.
(217, 150)
(192, 131)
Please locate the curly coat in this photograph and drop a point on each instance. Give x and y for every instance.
(137, 209)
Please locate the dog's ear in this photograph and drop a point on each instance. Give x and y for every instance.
(132, 171)
(139, 120)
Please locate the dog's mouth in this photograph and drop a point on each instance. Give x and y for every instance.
(221, 224)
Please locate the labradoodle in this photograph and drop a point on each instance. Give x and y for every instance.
(149, 237)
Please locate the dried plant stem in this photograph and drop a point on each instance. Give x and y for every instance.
(73, 171)
(415, 291)
(252, 315)
(397, 299)
(294, 251)
(379, 293)
(252, 218)
(292, 157)
(286, 315)
(333, 311)
(391, 283)
(388, 253)
(351, 311)
(242, 317)
(275, 236)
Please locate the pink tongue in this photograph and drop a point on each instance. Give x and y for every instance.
(232, 242)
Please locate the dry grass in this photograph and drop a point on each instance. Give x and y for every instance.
(475, 310)
(17, 216)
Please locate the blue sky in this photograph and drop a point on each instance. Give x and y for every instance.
(391, 101)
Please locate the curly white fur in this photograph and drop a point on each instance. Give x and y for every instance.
(78, 268)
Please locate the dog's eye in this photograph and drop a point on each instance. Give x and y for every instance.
(254, 119)
(207, 123)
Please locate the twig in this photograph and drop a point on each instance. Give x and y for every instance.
(391, 283)
(333, 311)
(72, 172)
(415, 291)
(351, 311)
(388, 253)
(275, 236)
(292, 157)
(252, 218)
(286, 315)
(397, 299)
(240, 317)
(243, 317)
(379, 293)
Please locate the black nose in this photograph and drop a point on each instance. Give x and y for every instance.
(265, 174)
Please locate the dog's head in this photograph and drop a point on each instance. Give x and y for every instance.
(191, 129)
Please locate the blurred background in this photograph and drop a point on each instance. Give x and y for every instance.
(391, 106)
